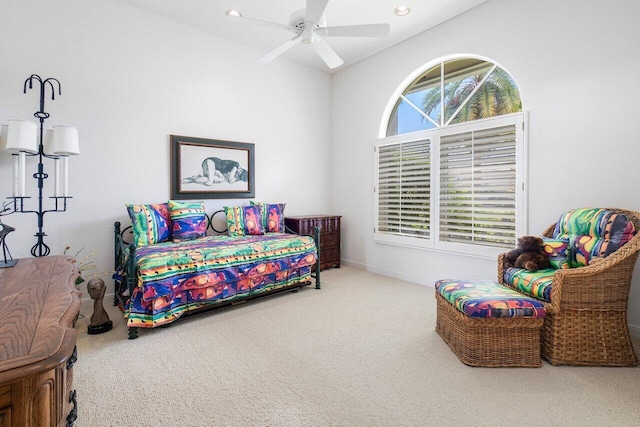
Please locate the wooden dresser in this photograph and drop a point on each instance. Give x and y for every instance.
(329, 235)
(38, 305)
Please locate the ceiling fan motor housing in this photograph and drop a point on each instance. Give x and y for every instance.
(305, 27)
(297, 22)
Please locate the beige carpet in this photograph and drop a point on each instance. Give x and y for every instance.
(362, 351)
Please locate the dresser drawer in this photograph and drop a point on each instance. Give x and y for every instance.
(307, 224)
(329, 226)
(330, 258)
(329, 240)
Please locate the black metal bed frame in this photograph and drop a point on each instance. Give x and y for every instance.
(125, 277)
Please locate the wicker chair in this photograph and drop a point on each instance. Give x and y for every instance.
(586, 322)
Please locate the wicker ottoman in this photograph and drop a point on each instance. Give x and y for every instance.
(489, 325)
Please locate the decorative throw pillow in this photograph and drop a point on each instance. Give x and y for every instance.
(617, 230)
(243, 220)
(272, 216)
(558, 251)
(188, 219)
(582, 249)
(151, 223)
(612, 229)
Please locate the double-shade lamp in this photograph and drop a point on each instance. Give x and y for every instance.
(20, 137)
(24, 138)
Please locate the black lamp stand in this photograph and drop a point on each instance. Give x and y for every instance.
(60, 202)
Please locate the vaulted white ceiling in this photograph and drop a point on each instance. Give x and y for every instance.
(209, 16)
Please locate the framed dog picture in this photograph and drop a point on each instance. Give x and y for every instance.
(211, 169)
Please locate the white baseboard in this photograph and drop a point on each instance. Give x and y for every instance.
(420, 280)
(87, 303)
(634, 330)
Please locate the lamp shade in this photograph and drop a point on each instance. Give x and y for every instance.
(48, 140)
(22, 135)
(3, 136)
(63, 141)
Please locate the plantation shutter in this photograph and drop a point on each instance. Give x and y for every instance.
(478, 187)
(404, 187)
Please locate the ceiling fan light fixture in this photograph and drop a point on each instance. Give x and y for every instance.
(402, 10)
(232, 12)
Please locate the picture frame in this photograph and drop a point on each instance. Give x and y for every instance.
(211, 168)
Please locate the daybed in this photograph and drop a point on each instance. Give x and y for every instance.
(158, 279)
(585, 293)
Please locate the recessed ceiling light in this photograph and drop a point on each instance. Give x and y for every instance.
(402, 10)
(232, 12)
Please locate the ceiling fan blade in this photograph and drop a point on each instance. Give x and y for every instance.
(313, 14)
(326, 53)
(315, 8)
(271, 55)
(260, 22)
(367, 30)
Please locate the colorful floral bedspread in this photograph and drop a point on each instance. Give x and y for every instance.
(177, 277)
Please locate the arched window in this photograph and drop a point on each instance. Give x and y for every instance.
(450, 166)
(465, 89)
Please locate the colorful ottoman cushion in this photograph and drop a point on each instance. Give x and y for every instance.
(488, 299)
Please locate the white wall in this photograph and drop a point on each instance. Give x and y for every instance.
(576, 64)
(129, 80)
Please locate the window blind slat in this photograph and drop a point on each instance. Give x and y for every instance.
(476, 197)
(477, 186)
(404, 182)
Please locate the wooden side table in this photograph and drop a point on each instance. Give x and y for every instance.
(38, 305)
(329, 235)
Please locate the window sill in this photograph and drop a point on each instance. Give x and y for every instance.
(483, 252)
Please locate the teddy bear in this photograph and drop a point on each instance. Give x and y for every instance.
(528, 254)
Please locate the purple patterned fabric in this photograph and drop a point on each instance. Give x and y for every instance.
(188, 220)
(593, 233)
(557, 250)
(177, 277)
(150, 223)
(486, 298)
(272, 216)
(244, 220)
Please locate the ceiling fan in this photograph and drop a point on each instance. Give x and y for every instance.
(308, 25)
